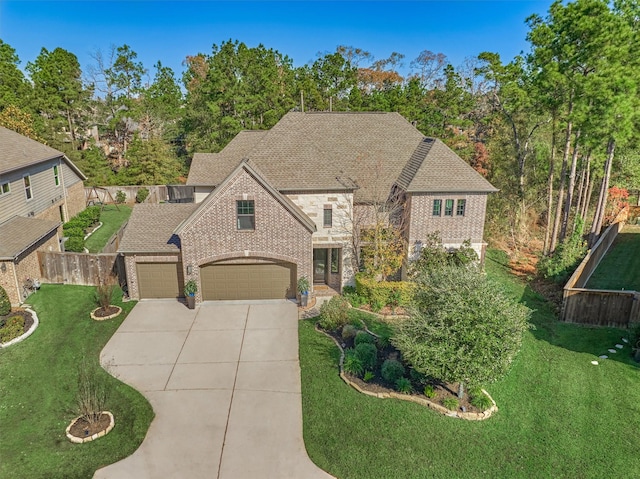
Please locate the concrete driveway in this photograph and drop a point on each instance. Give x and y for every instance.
(224, 382)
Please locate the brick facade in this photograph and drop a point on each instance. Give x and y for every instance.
(454, 230)
(213, 235)
(26, 266)
(76, 201)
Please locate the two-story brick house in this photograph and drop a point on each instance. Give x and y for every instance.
(40, 188)
(276, 205)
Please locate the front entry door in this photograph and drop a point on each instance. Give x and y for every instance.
(320, 265)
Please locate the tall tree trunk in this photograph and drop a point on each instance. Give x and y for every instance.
(602, 202)
(584, 184)
(552, 160)
(71, 130)
(572, 183)
(563, 174)
(588, 193)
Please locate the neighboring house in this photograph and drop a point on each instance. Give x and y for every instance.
(276, 205)
(40, 188)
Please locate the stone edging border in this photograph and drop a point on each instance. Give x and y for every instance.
(383, 316)
(96, 318)
(81, 440)
(24, 336)
(470, 416)
(94, 230)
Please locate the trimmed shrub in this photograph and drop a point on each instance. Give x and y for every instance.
(141, 195)
(429, 391)
(403, 385)
(363, 337)
(334, 313)
(352, 363)
(74, 231)
(121, 197)
(13, 328)
(451, 404)
(368, 376)
(349, 331)
(75, 244)
(392, 370)
(380, 293)
(479, 399)
(368, 354)
(5, 304)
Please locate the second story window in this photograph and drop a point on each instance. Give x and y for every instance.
(460, 207)
(246, 215)
(328, 217)
(5, 188)
(448, 208)
(56, 176)
(27, 187)
(437, 207)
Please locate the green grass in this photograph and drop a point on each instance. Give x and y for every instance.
(559, 415)
(38, 379)
(111, 219)
(620, 268)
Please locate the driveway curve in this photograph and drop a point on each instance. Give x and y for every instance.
(224, 382)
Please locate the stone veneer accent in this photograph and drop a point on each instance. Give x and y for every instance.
(454, 230)
(213, 235)
(340, 233)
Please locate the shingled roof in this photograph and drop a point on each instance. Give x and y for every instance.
(18, 151)
(150, 228)
(343, 151)
(18, 234)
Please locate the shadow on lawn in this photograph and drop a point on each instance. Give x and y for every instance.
(573, 337)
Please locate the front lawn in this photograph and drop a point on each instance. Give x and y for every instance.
(38, 380)
(112, 219)
(620, 267)
(560, 416)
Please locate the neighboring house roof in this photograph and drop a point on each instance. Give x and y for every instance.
(18, 234)
(252, 170)
(150, 228)
(18, 151)
(343, 151)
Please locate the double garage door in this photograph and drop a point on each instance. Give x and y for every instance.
(248, 281)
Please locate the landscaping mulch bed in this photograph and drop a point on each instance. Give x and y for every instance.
(104, 312)
(28, 319)
(83, 428)
(379, 385)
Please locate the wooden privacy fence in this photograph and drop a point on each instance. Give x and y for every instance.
(157, 193)
(114, 241)
(78, 268)
(598, 307)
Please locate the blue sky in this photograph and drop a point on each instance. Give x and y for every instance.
(169, 31)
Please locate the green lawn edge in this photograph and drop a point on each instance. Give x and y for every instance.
(38, 379)
(112, 219)
(559, 416)
(620, 267)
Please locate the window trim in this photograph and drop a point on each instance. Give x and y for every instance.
(436, 209)
(2, 188)
(461, 203)
(56, 175)
(245, 204)
(28, 188)
(327, 222)
(448, 207)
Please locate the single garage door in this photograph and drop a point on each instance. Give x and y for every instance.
(159, 280)
(248, 281)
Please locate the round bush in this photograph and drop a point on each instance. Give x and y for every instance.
(5, 304)
(403, 385)
(392, 370)
(334, 313)
(352, 363)
(363, 337)
(368, 354)
(349, 331)
(142, 195)
(75, 231)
